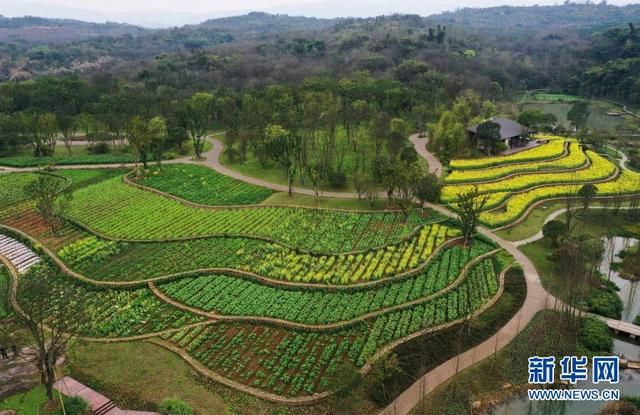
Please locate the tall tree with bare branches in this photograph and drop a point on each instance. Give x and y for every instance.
(51, 314)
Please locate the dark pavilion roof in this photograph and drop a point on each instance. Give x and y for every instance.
(508, 128)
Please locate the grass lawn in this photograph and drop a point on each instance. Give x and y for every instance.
(553, 97)
(532, 224)
(139, 375)
(79, 155)
(560, 105)
(536, 218)
(611, 152)
(29, 403)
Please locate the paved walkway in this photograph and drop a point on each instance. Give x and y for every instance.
(420, 145)
(537, 299)
(623, 157)
(188, 159)
(99, 404)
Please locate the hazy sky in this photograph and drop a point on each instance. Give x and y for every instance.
(166, 13)
(204, 6)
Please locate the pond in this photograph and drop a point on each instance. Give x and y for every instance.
(629, 385)
(597, 118)
(629, 292)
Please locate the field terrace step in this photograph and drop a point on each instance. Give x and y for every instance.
(99, 404)
(107, 408)
(20, 255)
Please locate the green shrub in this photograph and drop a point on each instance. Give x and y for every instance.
(99, 148)
(606, 303)
(337, 179)
(175, 407)
(595, 335)
(76, 406)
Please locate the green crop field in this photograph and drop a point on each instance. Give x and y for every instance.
(276, 298)
(202, 185)
(315, 288)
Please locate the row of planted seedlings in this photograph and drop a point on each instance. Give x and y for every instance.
(228, 295)
(113, 209)
(293, 363)
(122, 261)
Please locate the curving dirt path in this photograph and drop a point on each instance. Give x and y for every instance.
(420, 145)
(188, 159)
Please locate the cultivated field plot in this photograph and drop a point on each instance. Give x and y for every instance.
(12, 187)
(124, 261)
(512, 184)
(273, 299)
(213, 188)
(117, 210)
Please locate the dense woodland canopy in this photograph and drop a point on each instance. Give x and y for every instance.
(333, 86)
(501, 49)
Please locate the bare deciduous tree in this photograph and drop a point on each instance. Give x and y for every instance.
(51, 201)
(51, 314)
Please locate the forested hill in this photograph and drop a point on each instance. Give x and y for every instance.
(41, 30)
(506, 20)
(493, 51)
(265, 23)
(614, 72)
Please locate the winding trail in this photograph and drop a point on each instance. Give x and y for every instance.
(623, 157)
(420, 144)
(537, 299)
(187, 159)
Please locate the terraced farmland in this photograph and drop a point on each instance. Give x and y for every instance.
(273, 299)
(227, 295)
(512, 189)
(12, 187)
(117, 210)
(202, 185)
(122, 261)
(294, 363)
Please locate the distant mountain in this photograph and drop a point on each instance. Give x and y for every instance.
(146, 18)
(43, 30)
(567, 16)
(259, 22)
(163, 18)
